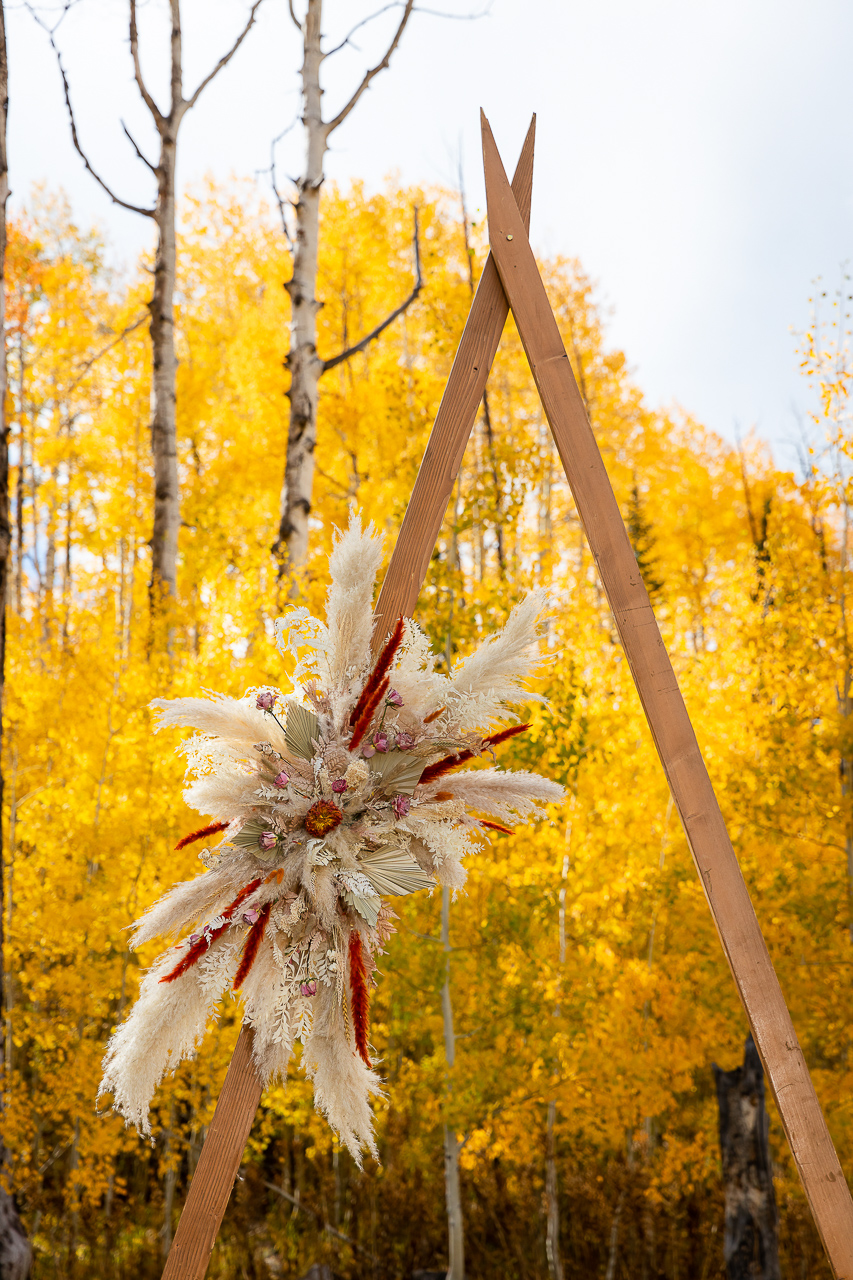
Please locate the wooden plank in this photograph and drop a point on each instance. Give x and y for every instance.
(453, 422)
(715, 859)
(217, 1167)
(232, 1122)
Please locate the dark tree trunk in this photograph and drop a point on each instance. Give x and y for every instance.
(751, 1240)
(15, 1252)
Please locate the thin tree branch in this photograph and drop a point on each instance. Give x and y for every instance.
(296, 21)
(137, 69)
(374, 333)
(118, 338)
(134, 208)
(226, 58)
(373, 72)
(274, 183)
(395, 4)
(132, 142)
(333, 1231)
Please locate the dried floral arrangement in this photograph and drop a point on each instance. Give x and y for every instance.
(328, 801)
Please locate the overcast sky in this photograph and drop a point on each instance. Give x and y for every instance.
(696, 155)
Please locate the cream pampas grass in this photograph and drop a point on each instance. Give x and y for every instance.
(331, 800)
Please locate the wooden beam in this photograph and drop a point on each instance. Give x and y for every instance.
(217, 1167)
(715, 859)
(220, 1159)
(453, 422)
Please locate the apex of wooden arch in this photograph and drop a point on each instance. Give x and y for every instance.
(511, 281)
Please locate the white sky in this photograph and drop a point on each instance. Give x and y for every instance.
(694, 154)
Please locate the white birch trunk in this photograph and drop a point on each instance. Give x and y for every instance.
(303, 362)
(164, 438)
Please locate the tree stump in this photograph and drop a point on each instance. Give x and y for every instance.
(751, 1240)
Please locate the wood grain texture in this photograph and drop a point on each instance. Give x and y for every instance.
(453, 422)
(716, 863)
(217, 1167)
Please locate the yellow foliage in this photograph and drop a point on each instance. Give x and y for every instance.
(584, 965)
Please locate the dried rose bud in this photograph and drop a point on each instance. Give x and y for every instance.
(339, 786)
(251, 915)
(404, 741)
(194, 938)
(380, 741)
(265, 701)
(267, 840)
(402, 805)
(394, 699)
(309, 988)
(280, 780)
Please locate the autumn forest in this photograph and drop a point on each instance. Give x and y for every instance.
(555, 1027)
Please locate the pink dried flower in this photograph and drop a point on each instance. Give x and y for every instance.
(339, 786)
(404, 741)
(309, 988)
(402, 805)
(250, 916)
(380, 741)
(367, 751)
(281, 780)
(394, 699)
(265, 700)
(267, 840)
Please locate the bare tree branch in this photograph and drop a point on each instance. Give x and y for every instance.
(226, 58)
(296, 21)
(134, 208)
(331, 125)
(374, 333)
(116, 340)
(137, 69)
(332, 1231)
(132, 142)
(274, 183)
(395, 4)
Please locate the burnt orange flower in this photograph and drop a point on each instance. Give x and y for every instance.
(322, 817)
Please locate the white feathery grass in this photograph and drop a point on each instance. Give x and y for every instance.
(353, 565)
(342, 1082)
(165, 1025)
(502, 793)
(493, 674)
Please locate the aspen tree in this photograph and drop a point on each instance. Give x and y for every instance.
(161, 307)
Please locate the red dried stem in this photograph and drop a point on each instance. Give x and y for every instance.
(198, 948)
(363, 723)
(250, 947)
(444, 765)
(496, 826)
(212, 830)
(377, 675)
(360, 996)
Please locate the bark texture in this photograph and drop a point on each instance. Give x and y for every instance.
(164, 444)
(303, 363)
(15, 1251)
(750, 1243)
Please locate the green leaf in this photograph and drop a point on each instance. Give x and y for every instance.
(301, 728)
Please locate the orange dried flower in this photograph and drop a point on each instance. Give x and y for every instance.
(322, 817)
